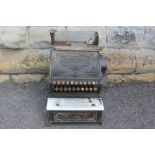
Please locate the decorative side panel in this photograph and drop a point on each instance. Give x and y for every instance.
(75, 116)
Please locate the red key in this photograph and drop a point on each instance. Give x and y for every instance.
(53, 82)
(63, 82)
(61, 88)
(58, 82)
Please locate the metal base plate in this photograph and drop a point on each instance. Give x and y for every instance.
(74, 110)
(74, 104)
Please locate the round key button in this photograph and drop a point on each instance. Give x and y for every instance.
(56, 89)
(61, 89)
(63, 82)
(69, 88)
(86, 89)
(65, 89)
(93, 83)
(73, 89)
(53, 82)
(95, 88)
(78, 89)
(85, 83)
(80, 83)
(89, 82)
(76, 82)
(72, 82)
(82, 89)
(58, 82)
(67, 82)
(90, 89)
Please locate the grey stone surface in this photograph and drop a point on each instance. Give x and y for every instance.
(40, 36)
(110, 36)
(126, 106)
(14, 37)
(149, 37)
(102, 30)
(130, 37)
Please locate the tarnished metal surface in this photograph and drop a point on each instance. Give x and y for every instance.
(76, 78)
(71, 67)
(74, 110)
(74, 117)
(75, 64)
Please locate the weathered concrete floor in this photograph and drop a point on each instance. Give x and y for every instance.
(126, 106)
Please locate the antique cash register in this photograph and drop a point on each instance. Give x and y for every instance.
(77, 76)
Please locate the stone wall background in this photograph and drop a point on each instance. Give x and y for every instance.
(24, 52)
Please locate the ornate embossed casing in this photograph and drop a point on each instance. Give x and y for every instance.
(71, 67)
(77, 75)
